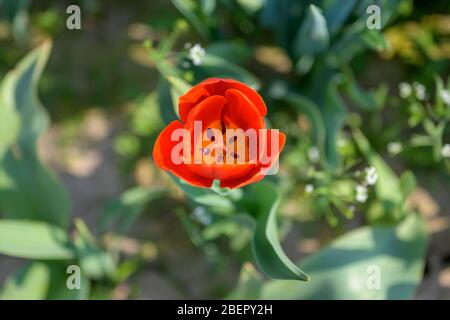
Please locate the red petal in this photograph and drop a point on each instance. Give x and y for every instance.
(251, 177)
(222, 171)
(207, 111)
(241, 111)
(258, 173)
(273, 155)
(190, 99)
(217, 86)
(162, 157)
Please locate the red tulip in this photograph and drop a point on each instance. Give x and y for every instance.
(221, 136)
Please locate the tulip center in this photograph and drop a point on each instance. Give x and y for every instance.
(224, 143)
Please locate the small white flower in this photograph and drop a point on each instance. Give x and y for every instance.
(394, 147)
(420, 91)
(309, 188)
(445, 95)
(196, 54)
(361, 193)
(351, 208)
(202, 216)
(371, 176)
(313, 154)
(187, 45)
(445, 151)
(404, 89)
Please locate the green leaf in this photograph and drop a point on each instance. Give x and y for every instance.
(266, 243)
(188, 9)
(23, 96)
(121, 213)
(27, 189)
(34, 240)
(347, 268)
(312, 36)
(311, 110)
(350, 43)
(17, 13)
(334, 113)
(372, 100)
(30, 191)
(94, 262)
(214, 66)
(170, 89)
(337, 12)
(326, 120)
(9, 119)
(374, 40)
(204, 196)
(167, 107)
(30, 282)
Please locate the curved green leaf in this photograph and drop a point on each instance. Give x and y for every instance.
(347, 269)
(30, 282)
(312, 36)
(266, 243)
(34, 240)
(167, 107)
(9, 119)
(28, 190)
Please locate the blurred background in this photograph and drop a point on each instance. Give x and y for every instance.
(349, 98)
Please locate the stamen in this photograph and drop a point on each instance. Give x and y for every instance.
(224, 129)
(204, 151)
(235, 155)
(210, 134)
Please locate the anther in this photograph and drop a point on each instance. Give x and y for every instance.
(210, 134)
(204, 151)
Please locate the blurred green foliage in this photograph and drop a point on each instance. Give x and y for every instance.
(329, 82)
